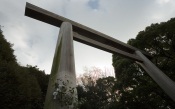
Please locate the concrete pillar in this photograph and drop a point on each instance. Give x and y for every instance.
(61, 92)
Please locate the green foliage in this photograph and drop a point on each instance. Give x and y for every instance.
(20, 87)
(135, 88)
(159, 40)
(41, 77)
(6, 50)
(98, 96)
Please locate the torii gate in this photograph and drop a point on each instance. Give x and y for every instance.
(61, 92)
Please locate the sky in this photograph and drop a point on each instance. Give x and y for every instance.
(35, 41)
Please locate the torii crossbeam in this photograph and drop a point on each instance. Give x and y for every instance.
(96, 39)
(84, 34)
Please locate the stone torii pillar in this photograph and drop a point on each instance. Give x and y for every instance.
(61, 92)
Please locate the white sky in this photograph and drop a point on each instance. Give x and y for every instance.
(35, 41)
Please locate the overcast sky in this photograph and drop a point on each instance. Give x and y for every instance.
(35, 41)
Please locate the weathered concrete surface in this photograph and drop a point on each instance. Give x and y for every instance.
(62, 76)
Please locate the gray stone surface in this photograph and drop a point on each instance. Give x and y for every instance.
(61, 92)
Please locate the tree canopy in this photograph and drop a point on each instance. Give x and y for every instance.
(20, 87)
(134, 85)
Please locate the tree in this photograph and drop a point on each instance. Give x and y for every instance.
(6, 50)
(135, 88)
(42, 79)
(99, 96)
(20, 87)
(95, 92)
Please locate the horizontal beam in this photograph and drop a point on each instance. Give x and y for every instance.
(56, 20)
(104, 47)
